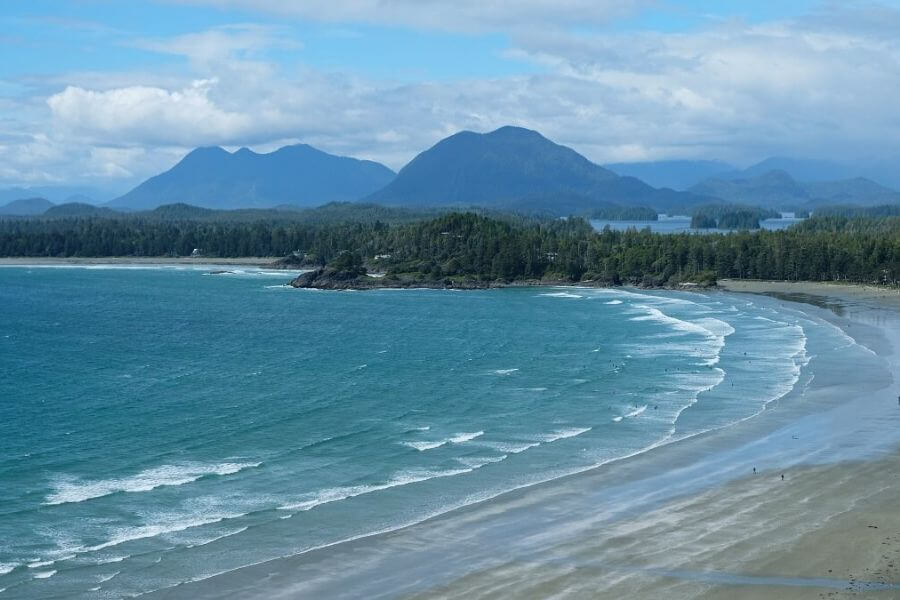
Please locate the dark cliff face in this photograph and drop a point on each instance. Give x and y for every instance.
(328, 278)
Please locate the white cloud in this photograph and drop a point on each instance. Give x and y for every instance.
(735, 91)
(460, 15)
(147, 115)
(221, 43)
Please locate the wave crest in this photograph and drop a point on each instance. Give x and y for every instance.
(71, 489)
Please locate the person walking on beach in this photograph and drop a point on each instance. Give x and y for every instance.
(782, 476)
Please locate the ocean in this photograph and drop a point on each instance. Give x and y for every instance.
(682, 224)
(160, 425)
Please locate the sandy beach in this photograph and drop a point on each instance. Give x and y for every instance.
(796, 503)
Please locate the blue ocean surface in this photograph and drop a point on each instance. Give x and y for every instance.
(682, 224)
(163, 425)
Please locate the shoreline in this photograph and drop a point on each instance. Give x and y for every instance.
(318, 571)
(842, 290)
(255, 261)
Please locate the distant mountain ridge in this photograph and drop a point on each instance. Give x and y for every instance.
(684, 174)
(300, 175)
(675, 174)
(516, 168)
(777, 189)
(26, 207)
(510, 168)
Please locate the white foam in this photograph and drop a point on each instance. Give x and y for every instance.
(423, 446)
(7, 567)
(714, 330)
(47, 563)
(613, 302)
(131, 534)
(510, 447)
(654, 314)
(219, 537)
(563, 434)
(561, 295)
(504, 371)
(105, 578)
(342, 493)
(476, 462)
(459, 438)
(70, 489)
(44, 574)
(634, 412)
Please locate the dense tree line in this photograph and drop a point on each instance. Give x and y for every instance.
(885, 210)
(730, 216)
(467, 245)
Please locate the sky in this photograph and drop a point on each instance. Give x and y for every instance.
(105, 93)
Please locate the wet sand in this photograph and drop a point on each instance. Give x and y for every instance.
(687, 520)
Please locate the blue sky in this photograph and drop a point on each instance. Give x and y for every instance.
(46, 37)
(105, 93)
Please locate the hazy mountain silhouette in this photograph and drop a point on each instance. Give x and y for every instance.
(675, 174)
(778, 189)
(515, 168)
(299, 175)
(26, 206)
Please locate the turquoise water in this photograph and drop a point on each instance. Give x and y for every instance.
(164, 425)
(682, 224)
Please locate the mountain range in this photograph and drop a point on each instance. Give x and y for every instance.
(299, 175)
(777, 189)
(516, 168)
(26, 207)
(511, 168)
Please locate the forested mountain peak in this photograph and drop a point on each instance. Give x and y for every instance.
(300, 175)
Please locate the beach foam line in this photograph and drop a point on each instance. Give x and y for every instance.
(562, 434)
(7, 568)
(132, 534)
(476, 462)
(73, 490)
(504, 371)
(459, 438)
(561, 295)
(337, 494)
(105, 578)
(714, 330)
(218, 537)
(631, 414)
(510, 447)
(423, 446)
(46, 563)
(44, 574)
